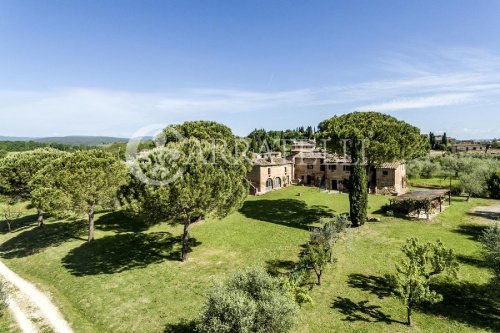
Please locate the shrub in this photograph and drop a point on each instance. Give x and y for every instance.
(251, 301)
(491, 245)
(493, 185)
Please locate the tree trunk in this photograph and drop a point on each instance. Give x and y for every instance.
(358, 191)
(91, 223)
(408, 316)
(40, 217)
(468, 197)
(185, 239)
(8, 226)
(318, 276)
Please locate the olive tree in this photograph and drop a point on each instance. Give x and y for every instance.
(422, 261)
(370, 138)
(250, 301)
(78, 183)
(490, 240)
(18, 169)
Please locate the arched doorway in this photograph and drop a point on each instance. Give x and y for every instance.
(277, 182)
(269, 184)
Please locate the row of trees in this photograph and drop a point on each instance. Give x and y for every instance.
(438, 143)
(209, 179)
(478, 175)
(265, 141)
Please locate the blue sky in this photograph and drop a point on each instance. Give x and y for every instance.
(113, 67)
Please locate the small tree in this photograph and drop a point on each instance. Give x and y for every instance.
(475, 183)
(251, 301)
(9, 214)
(314, 257)
(493, 185)
(422, 261)
(78, 183)
(491, 245)
(327, 235)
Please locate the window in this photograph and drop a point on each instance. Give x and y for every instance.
(385, 172)
(322, 167)
(347, 168)
(285, 169)
(268, 171)
(310, 166)
(332, 167)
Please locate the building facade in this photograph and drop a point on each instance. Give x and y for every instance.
(270, 172)
(310, 167)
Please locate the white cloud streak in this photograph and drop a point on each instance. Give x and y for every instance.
(468, 76)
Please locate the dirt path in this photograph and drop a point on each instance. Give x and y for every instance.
(36, 305)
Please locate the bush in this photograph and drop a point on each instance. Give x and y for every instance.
(493, 185)
(456, 190)
(251, 301)
(491, 245)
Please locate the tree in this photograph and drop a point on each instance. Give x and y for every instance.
(371, 139)
(18, 169)
(250, 301)
(193, 180)
(444, 140)
(474, 183)
(314, 257)
(422, 262)
(432, 140)
(328, 234)
(78, 183)
(493, 185)
(490, 240)
(9, 214)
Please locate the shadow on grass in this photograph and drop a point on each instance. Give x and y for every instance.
(118, 253)
(37, 239)
(376, 285)
(20, 223)
(486, 214)
(288, 212)
(469, 303)
(361, 311)
(119, 222)
(473, 231)
(279, 267)
(183, 326)
(472, 261)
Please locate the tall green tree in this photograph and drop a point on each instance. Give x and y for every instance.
(188, 180)
(18, 169)
(422, 262)
(490, 240)
(78, 183)
(370, 138)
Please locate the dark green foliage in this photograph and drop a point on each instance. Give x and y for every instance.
(264, 141)
(493, 185)
(411, 284)
(491, 245)
(314, 257)
(251, 301)
(373, 138)
(193, 177)
(79, 183)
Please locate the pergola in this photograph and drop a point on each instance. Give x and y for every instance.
(421, 199)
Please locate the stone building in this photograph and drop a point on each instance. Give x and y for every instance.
(310, 167)
(270, 172)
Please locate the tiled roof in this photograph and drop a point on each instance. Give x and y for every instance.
(391, 165)
(264, 161)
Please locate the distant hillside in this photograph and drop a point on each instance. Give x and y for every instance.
(70, 140)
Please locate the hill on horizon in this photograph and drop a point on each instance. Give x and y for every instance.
(70, 140)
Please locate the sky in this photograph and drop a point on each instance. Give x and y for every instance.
(120, 67)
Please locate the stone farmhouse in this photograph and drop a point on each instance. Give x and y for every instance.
(311, 167)
(472, 147)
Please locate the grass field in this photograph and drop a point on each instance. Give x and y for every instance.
(130, 278)
(434, 181)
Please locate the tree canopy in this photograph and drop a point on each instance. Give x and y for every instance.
(385, 138)
(188, 180)
(78, 183)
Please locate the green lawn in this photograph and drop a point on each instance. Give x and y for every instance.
(130, 278)
(434, 181)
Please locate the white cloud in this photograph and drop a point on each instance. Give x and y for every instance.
(419, 102)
